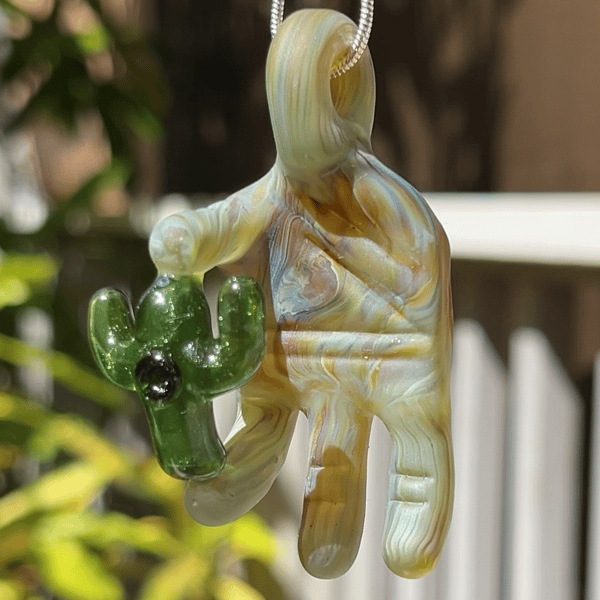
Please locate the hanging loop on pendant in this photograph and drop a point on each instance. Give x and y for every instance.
(359, 43)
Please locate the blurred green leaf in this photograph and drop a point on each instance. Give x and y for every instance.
(19, 272)
(14, 542)
(35, 269)
(118, 528)
(53, 432)
(71, 434)
(10, 8)
(65, 93)
(231, 588)
(206, 539)
(251, 538)
(94, 39)
(145, 123)
(166, 488)
(10, 590)
(247, 537)
(68, 487)
(72, 571)
(44, 46)
(13, 291)
(80, 439)
(12, 436)
(176, 579)
(102, 531)
(17, 410)
(66, 370)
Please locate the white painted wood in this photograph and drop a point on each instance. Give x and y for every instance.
(542, 228)
(544, 449)
(471, 562)
(367, 577)
(426, 588)
(593, 541)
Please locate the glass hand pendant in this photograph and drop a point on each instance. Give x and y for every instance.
(355, 271)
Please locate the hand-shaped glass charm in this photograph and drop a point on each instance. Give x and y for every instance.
(355, 271)
(170, 358)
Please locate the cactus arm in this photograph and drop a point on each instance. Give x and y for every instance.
(172, 311)
(219, 365)
(112, 337)
(241, 319)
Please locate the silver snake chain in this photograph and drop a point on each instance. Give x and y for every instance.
(359, 43)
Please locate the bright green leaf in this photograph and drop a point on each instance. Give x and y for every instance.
(144, 536)
(176, 579)
(92, 40)
(102, 531)
(13, 408)
(72, 434)
(231, 588)
(248, 537)
(73, 485)
(146, 124)
(72, 571)
(31, 268)
(54, 432)
(79, 438)
(73, 375)
(205, 539)
(10, 590)
(252, 538)
(12, 291)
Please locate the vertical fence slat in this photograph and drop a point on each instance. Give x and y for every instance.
(593, 549)
(545, 448)
(471, 561)
(367, 577)
(425, 588)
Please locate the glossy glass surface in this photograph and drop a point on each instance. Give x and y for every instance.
(167, 354)
(355, 269)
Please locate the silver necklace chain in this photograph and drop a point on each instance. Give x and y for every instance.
(359, 43)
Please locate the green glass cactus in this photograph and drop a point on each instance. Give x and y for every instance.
(168, 355)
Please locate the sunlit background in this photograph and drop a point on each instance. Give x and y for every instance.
(114, 113)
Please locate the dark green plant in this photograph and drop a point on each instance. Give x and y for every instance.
(131, 102)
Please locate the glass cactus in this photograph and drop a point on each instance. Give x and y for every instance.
(168, 355)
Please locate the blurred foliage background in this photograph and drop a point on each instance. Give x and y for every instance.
(115, 112)
(85, 512)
